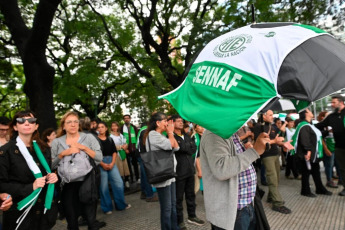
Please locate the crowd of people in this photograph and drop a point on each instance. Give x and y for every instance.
(42, 177)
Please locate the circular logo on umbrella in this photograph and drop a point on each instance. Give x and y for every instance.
(232, 46)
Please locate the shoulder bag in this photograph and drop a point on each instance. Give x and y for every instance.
(88, 191)
(158, 164)
(73, 167)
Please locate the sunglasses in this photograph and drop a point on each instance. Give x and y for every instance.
(31, 120)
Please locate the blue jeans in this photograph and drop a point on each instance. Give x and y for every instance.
(167, 201)
(113, 177)
(328, 161)
(144, 184)
(245, 219)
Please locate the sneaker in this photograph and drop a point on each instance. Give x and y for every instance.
(326, 192)
(128, 206)
(299, 177)
(152, 199)
(289, 177)
(282, 209)
(108, 213)
(82, 222)
(127, 184)
(182, 226)
(99, 224)
(311, 195)
(342, 193)
(196, 221)
(331, 184)
(142, 196)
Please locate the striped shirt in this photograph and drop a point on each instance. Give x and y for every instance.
(246, 179)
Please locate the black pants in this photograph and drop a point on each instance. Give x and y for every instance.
(72, 206)
(315, 172)
(131, 158)
(291, 165)
(185, 187)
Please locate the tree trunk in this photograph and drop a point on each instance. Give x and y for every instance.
(31, 44)
(39, 89)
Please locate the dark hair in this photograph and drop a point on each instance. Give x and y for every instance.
(174, 117)
(4, 121)
(35, 136)
(85, 124)
(339, 97)
(95, 120)
(288, 119)
(47, 133)
(103, 123)
(126, 115)
(302, 115)
(152, 125)
(276, 119)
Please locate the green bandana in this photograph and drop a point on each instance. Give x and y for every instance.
(197, 143)
(139, 133)
(319, 148)
(133, 136)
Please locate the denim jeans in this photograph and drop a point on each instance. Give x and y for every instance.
(144, 184)
(167, 201)
(328, 161)
(113, 177)
(245, 219)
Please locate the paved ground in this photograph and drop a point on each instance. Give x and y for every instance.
(320, 213)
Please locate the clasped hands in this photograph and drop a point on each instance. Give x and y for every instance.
(50, 178)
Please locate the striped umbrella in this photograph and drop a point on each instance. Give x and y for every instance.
(240, 72)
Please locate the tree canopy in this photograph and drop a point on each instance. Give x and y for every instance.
(95, 55)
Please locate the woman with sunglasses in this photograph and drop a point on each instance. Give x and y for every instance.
(70, 146)
(26, 176)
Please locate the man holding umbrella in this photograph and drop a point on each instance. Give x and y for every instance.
(229, 180)
(337, 121)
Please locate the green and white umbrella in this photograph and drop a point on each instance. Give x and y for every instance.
(239, 73)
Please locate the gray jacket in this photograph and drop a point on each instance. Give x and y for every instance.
(220, 168)
(90, 141)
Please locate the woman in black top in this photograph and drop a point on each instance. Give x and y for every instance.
(110, 174)
(18, 164)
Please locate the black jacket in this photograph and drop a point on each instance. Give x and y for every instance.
(17, 180)
(185, 162)
(336, 121)
(306, 142)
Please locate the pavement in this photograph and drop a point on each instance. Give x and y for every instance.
(320, 213)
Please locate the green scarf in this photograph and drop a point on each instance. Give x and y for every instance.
(30, 200)
(319, 148)
(133, 136)
(197, 143)
(139, 133)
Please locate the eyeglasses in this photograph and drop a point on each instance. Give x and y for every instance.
(70, 122)
(3, 130)
(31, 120)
